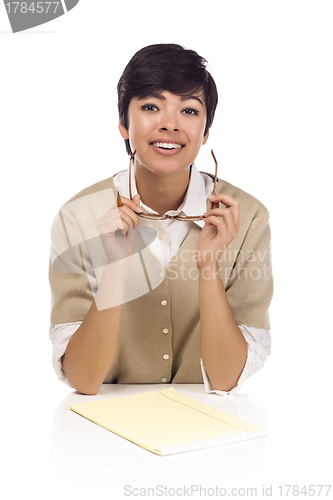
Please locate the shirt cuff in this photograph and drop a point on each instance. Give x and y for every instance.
(244, 375)
(258, 348)
(60, 334)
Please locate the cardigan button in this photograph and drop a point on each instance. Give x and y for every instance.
(164, 379)
(166, 356)
(165, 330)
(164, 302)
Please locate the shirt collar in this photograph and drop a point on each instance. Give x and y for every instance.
(195, 201)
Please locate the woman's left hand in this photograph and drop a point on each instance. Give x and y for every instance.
(221, 227)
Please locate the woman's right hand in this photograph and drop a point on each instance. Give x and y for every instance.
(117, 228)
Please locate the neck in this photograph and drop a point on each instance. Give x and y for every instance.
(159, 192)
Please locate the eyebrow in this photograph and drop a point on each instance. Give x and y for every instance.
(185, 97)
(190, 96)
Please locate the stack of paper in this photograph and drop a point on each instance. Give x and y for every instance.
(166, 422)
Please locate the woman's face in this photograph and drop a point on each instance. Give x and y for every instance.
(167, 130)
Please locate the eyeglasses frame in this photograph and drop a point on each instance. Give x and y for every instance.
(171, 217)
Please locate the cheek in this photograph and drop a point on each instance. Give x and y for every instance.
(197, 135)
(196, 128)
(140, 129)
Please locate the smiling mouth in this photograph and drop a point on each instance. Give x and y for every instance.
(166, 145)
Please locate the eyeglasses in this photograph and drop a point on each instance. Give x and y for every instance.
(171, 217)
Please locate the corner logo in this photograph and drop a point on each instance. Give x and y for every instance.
(25, 15)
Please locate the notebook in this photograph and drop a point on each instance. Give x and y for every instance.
(165, 422)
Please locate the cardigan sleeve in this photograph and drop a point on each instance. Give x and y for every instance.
(71, 285)
(246, 270)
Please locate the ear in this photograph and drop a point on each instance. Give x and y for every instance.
(123, 130)
(205, 139)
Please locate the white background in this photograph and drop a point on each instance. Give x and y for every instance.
(272, 62)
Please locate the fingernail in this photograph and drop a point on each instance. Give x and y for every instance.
(138, 209)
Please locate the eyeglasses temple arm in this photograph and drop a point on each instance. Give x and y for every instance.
(130, 174)
(214, 190)
(215, 179)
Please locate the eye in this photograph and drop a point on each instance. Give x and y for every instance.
(190, 111)
(149, 107)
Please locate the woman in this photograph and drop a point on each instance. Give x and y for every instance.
(144, 297)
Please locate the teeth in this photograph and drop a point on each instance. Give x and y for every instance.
(166, 145)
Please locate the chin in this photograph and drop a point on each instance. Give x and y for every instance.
(165, 165)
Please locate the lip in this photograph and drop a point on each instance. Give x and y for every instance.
(167, 152)
(167, 141)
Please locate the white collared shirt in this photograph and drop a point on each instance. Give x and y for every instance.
(171, 234)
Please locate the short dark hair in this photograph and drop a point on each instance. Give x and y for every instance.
(165, 66)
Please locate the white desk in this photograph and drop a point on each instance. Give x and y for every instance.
(52, 453)
(81, 447)
(95, 463)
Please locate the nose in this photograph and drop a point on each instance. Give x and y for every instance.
(169, 122)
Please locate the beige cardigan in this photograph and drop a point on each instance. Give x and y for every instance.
(164, 320)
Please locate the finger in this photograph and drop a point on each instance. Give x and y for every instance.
(224, 225)
(132, 204)
(129, 214)
(229, 221)
(109, 230)
(123, 212)
(218, 212)
(125, 201)
(227, 200)
(218, 222)
(127, 219)
(107, 224)
(228, 217)
(136, 199)
(230, 203)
